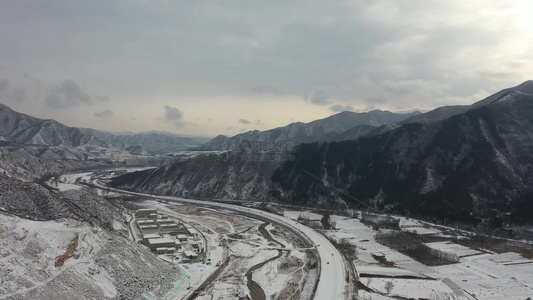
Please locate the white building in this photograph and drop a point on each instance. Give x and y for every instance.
(190, 254)
(148, 236)
(146, 222)
(149, 229)
(165, 221)
(146, 213)
(154, 244)
(191, 231)
(182, 237)
(169, 227)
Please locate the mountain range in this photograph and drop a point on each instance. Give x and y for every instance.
(471, 164)
(344, 125)
(19, 128)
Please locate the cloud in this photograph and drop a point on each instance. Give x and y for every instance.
(104, 114)
(413, 53)
(258, 122)
(179, 124)
(102, 98)
(319, 97)
(266, 90)
(341, 108)
(174, 116)
(20, 94)
(4, 84)
(66, 95)
(230, 128)
(17, 94)
(244, 121)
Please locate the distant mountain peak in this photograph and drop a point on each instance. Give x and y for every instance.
(525, 87)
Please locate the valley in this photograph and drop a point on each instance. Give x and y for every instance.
(432, 206)
(248, 256)
(266, 150)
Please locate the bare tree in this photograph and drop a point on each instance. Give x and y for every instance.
(326, 220)
(389, 286)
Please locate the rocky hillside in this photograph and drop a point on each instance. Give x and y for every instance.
(31, 162)
(330, 128)
(474, 167)
(229, 175)
(104, 265)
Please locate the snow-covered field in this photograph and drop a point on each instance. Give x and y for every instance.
(67, 182)
(412, 288)
(498, 276)
(479, 275)
(453, 248)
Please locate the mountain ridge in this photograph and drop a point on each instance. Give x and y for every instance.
(474, 167)
(16, 127)
(324, 129)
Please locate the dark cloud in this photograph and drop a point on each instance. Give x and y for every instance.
(66, 95)
(340, 108)
(104, 114)
(319, 97)
(266, 90)
(174, 115)
(244, 121)
(4, 84)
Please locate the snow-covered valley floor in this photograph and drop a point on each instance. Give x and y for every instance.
(248, 258)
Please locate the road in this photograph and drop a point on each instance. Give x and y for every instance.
(332, 283)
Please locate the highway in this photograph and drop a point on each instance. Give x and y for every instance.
(331, 284)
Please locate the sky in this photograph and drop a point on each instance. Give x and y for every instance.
(224, 67)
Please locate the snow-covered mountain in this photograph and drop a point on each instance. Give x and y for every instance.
(20, 128)
(445, 112)
(474, 166)
(37, 226)
(330, 128)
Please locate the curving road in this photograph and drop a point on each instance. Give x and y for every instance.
(332, 283)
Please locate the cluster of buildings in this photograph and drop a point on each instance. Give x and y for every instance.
(163, 235)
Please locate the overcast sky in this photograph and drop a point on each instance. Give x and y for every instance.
(222, 67)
